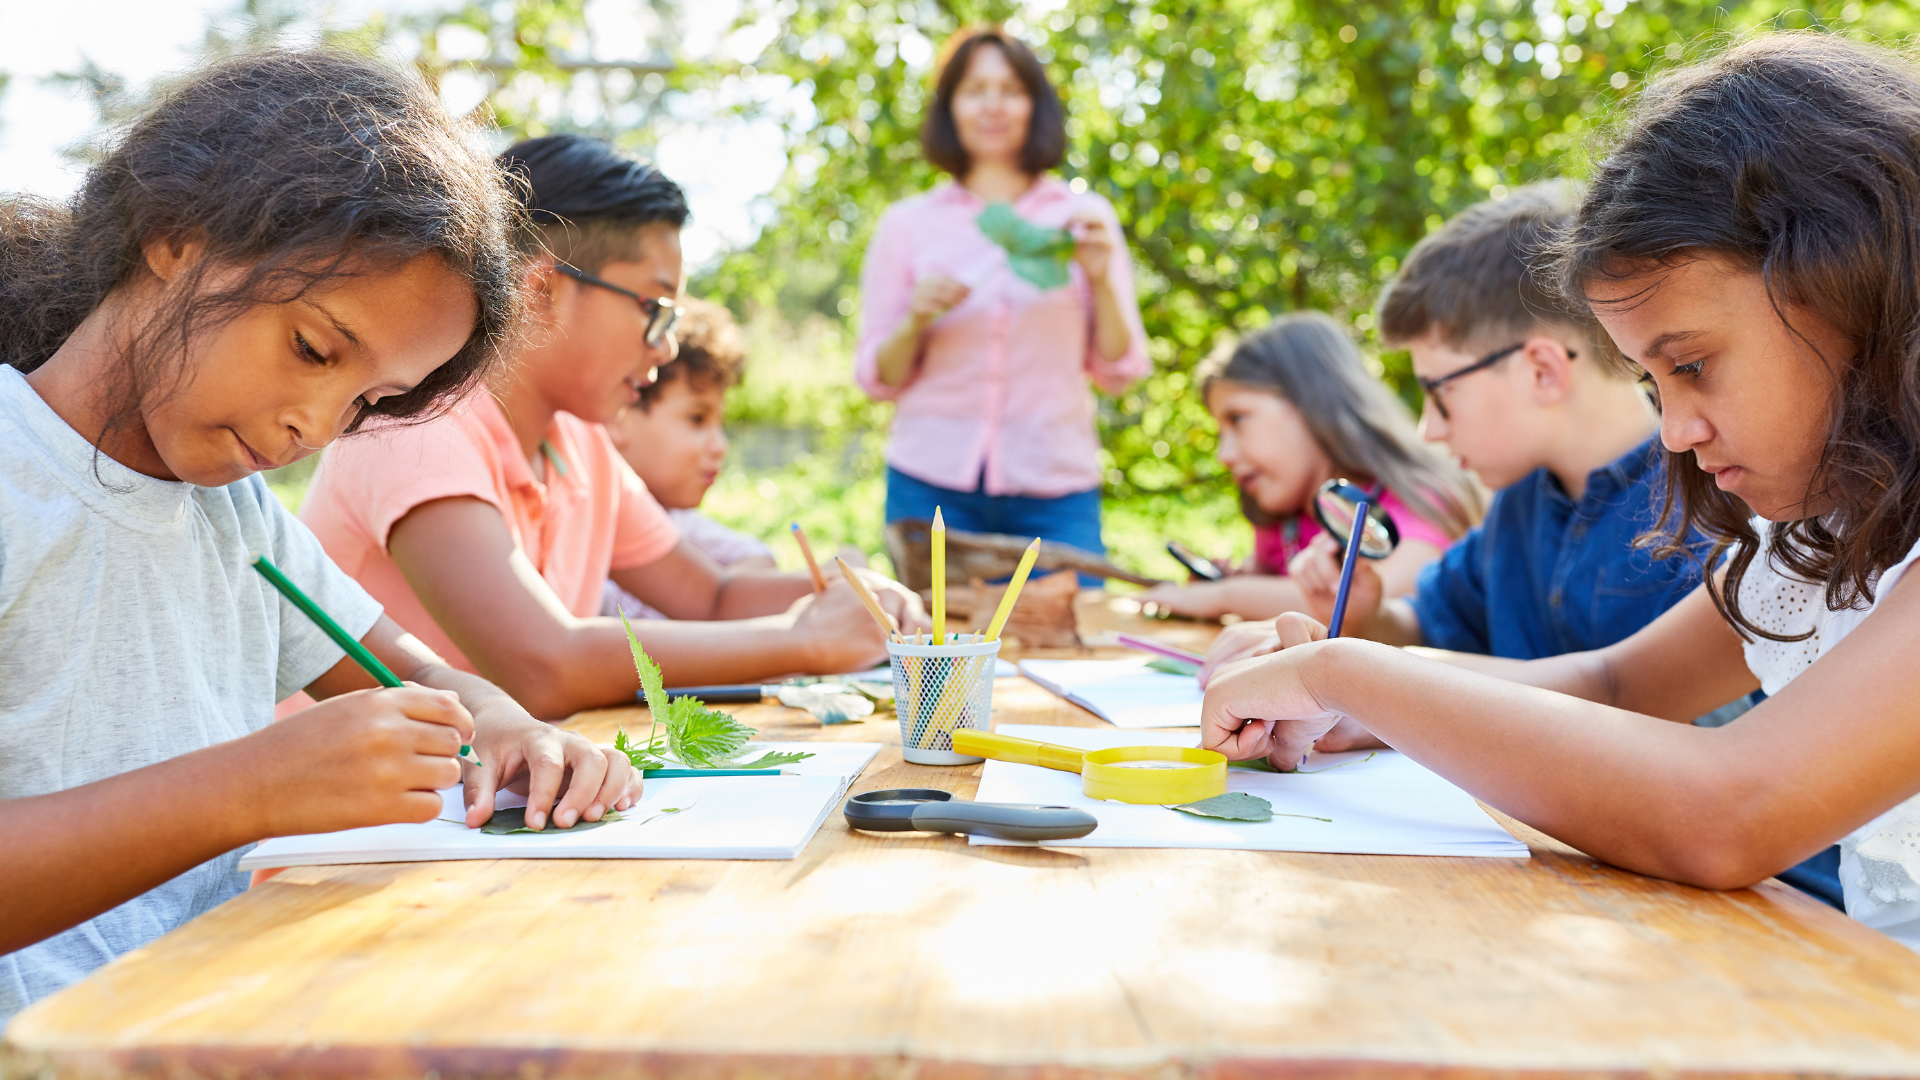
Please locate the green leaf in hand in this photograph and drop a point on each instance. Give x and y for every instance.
(1036, 253)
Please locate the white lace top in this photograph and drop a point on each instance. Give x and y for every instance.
(1880, 861)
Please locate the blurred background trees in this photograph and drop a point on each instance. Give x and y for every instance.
(1264, 156)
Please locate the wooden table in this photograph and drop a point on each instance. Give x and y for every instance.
(911, 956)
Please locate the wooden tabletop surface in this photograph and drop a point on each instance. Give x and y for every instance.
(915, 956)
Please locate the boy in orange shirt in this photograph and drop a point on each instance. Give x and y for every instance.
(490, 532)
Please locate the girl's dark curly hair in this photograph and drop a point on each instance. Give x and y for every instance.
(1797, 156)
(295, 167)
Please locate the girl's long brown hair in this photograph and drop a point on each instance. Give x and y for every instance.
(296, 167)
(1306, 358)
(1798, 156)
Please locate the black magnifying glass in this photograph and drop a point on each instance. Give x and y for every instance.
(1337, 506)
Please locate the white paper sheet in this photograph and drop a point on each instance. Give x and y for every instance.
(722, 817)
(1124, 693)
(1390, 805)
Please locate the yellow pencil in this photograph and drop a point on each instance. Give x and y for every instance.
(939, 578)
(873, 606)
(806, 552)
(1013, 591)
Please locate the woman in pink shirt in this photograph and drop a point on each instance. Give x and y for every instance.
(996, 421)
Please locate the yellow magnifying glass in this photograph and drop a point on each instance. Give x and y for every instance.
(1161, 775)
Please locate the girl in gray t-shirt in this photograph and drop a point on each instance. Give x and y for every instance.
(288, 244)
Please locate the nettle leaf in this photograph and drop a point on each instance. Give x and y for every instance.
(701, 737)
(684, 729)
(642, 757)
(1034, 252)
(512, 821)
(774, 759)
(1233, 806)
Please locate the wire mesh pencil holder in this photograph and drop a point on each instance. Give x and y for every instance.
(938, 688)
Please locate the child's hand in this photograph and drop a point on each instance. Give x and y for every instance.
(1316, 569)
(1262, 707)
(839, 634)
(1239, 642)
(1249, 640)
(1202, 600)
(565, 776)
(370, 757)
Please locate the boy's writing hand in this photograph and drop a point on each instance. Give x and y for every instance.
(369, 757)
(565, 776)
(1262, 707)
(1238, 642)
(839, 634)
(1316, 569)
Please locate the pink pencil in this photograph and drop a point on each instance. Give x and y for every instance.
(1149, 645)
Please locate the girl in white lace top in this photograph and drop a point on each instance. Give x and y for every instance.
(1752, 244)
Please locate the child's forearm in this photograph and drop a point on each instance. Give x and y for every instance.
(74, 854)
(756, 592)
(1631, 789)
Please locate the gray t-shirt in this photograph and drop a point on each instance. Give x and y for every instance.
(132, 631)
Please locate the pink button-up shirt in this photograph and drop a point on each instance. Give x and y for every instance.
(1001, 383)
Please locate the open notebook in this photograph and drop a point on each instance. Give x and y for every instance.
(721, 817)
(1124, 693)
(1388, 804)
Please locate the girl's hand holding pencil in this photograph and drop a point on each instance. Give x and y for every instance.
(1236, 718)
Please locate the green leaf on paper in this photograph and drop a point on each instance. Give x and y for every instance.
(514, 820)
(1233, 806)
(773, 759)
(1036, 253)
(684, 729)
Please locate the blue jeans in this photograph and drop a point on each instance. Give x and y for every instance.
(1073, 519)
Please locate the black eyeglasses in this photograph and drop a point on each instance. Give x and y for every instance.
(661, 314)
(1432, 386)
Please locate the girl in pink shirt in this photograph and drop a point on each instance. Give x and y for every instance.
(996, 420)
(1296, 407)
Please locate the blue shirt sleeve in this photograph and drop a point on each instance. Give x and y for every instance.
(1451, 598)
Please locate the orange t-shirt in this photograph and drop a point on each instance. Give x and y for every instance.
(591, 515)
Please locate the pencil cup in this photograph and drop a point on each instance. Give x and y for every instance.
(938, 688)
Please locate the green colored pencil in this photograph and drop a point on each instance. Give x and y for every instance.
(682, 774)
(371, 663)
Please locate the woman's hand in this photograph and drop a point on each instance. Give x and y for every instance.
(934, 296)
(1092, 247)
(565, 776)
(1316, 569)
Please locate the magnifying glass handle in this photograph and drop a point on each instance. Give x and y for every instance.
(1346, 567)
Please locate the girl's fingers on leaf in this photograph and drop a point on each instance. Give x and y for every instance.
(587, 770)
(546, 766)
(623, 780)
(479, 794)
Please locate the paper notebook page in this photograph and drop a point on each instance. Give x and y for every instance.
(1125, 693)
(1386, 805)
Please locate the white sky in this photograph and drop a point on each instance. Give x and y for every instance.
(723, 166)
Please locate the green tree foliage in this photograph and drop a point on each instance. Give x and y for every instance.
(1263, 155)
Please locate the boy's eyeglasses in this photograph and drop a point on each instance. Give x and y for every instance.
(1432, 386)
(661, 314)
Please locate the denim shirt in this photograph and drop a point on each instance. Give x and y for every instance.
(1545, 575)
